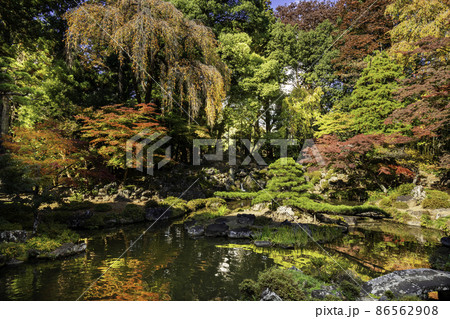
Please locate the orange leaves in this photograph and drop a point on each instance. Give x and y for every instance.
(108, 129)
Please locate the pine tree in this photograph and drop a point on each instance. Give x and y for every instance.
(286, 182)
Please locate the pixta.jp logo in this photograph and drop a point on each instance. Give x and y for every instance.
(140, 151)
(141, 148)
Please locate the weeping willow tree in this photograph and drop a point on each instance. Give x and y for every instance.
(170, 56)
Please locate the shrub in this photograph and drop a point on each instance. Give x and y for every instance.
(43, 243)
(405, 189)
(436, 199)
(350, 290)
(282, 282)
(178, 206)
(13, 250)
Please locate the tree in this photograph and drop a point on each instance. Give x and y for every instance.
(306, 14)
(372, 100)
(373, 159)
(109, 128)
(286, 182)
(42, 160)
(164, 47)
(425, 94)
(253, 17)
(300, 110)
(417, 19)
(254, 84)
(363, 27)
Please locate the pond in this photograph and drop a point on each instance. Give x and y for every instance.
(165, 264)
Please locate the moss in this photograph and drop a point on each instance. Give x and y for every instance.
(386, 202)
(207, 214)
(436, 199)
(286, 283)
(200, 203)
(134, 212)
(401, 205)
(178, 206)
(103, 207)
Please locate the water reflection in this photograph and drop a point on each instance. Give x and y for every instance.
(167, 265)
(164, 265)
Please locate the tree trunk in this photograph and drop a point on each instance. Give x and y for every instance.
(6, 115)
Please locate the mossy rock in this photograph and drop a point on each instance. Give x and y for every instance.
(134, 212)
(401, 205)
(178, 207)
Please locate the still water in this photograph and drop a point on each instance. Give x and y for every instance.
(165, 264)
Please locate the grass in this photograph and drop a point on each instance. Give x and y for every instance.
(290, 236)
(436, 199)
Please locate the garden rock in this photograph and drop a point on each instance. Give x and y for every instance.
(158, 213)
(196, 231)
(268, 295)
(262, 243)
(240, 233)
(418, 282)
(418, 193)
(445, 241)
(14, 236)
(246, 219)
(216, 230)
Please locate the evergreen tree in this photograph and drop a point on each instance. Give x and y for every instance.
(372, 100)
(286, 182)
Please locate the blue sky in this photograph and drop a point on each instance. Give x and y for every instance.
(276, 3)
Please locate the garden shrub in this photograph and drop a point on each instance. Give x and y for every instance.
(436, 199)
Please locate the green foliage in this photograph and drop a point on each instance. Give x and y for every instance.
(13, 250)
(372, 99)
(405, 189)
(350, 290)
(283, 282)
(286, 182)
(236, 195)
(43, 243)
(209, 213)
(436, 199)
(76, 205)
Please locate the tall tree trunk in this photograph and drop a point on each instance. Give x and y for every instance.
(6, 115)
(148, 93)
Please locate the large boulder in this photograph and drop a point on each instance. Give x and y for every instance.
(240, 233)
(418, 282)
(158, 213)
(196, 231)
(246, 219)
(14, 236)
(216, 230)
(65, 250)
